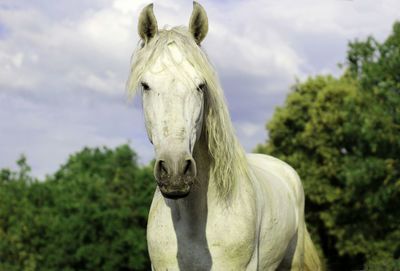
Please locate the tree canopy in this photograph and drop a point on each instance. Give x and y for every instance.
(342, 135)
(90, 215)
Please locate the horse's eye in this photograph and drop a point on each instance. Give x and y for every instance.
(145, 86)
(201, 87)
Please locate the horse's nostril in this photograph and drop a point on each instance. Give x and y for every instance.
(188, 167)
(169, 170)
(163, 168)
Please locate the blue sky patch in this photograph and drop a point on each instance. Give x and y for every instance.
(3, 31)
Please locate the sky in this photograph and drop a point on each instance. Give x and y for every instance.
(64, 64)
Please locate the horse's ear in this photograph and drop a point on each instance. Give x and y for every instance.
(198, 25)
(147, 24)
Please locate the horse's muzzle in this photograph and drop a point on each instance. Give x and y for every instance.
(175, 175)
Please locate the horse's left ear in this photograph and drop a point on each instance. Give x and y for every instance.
(147, 26)
(198, 25)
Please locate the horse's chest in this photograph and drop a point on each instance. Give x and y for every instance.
(219, 243)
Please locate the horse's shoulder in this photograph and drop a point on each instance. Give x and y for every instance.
(282, 198)
(270, 165)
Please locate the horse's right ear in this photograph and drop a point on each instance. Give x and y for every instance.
(147, 26)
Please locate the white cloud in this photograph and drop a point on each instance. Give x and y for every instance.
(95, 44)
(280, 37)
(248, 129)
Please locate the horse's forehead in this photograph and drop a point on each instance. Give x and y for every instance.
(173, 63)
(175, 52)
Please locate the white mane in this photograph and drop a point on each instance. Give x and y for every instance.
(228, 157)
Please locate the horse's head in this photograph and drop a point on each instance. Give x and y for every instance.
(173, 102)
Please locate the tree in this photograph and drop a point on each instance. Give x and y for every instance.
(18, 221)
(91, 215)
(343, 137)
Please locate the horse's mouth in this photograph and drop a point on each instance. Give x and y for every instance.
(174, 192)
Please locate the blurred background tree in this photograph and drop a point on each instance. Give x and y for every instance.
(343, 137)
(91, 215)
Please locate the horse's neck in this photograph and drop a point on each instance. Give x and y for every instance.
(192, 210)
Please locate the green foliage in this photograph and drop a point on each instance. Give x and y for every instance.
(343, 137)
(16, 216)
(91, 215)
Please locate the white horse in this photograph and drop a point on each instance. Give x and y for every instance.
(215, 207)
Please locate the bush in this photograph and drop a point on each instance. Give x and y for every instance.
(91, 215)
